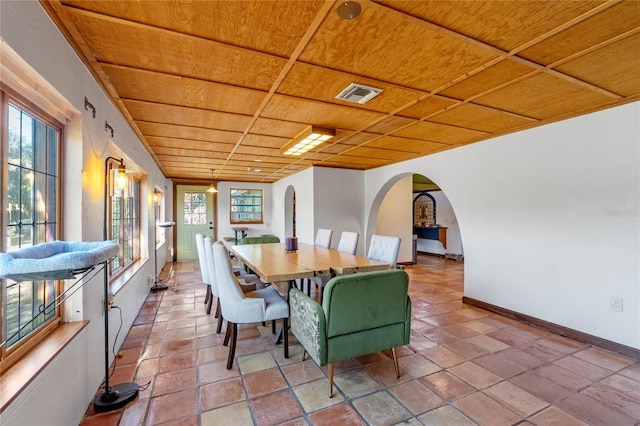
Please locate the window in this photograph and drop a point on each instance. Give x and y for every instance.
(246, 206)
(195, 208)
(31, 199)
(125, 228)
(424, 210)
(158, 204)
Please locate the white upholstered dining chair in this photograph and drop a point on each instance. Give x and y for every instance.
(248, 282)
(323, 238)
(204, 269)
(384, 249)
(242, 308)
(348, 242)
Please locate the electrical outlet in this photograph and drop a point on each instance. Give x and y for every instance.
(110, 302)
(615, 303)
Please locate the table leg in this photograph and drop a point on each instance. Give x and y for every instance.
(280, 333)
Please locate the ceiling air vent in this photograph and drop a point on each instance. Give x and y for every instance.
(358, 93)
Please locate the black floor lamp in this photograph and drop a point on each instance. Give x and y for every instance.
(156, 204)
(116, 396)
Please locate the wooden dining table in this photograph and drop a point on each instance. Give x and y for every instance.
(274, 264)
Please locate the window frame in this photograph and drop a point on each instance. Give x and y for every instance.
(157, 201)
(9, 356)
(121, 263)
(234, 207)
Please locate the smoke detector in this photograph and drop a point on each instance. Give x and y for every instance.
(358, 93)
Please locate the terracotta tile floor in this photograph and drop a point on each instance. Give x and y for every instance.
(464, 366)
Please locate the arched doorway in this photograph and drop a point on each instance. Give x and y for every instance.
(392, 212)
(290, 212)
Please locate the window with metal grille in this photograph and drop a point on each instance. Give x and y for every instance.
(125, 228)
(31, 199)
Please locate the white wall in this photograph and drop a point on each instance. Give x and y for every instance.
(338, 195)
(76, 373)
(395, 217)
(302, 183)
(549, 219)
(325, 198)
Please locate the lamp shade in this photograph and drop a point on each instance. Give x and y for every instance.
(121, 182)
(212, 188)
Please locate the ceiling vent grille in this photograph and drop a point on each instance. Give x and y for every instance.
(358, 93)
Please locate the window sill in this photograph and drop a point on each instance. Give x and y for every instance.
(16, 378)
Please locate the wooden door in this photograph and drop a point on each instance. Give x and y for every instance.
(195, 208)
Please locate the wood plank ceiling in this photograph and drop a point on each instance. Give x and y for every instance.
(225, 84)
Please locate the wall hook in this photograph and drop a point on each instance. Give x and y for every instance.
(108, 128)
(89, 106)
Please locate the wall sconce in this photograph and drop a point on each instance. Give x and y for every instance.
(308, 139)
(121, 182)
(212, 188)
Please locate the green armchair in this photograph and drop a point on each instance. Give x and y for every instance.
(360, 314)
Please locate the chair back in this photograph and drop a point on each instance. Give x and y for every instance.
(260, 240)
(204, 269)
(348, 242)
(230, 293)
(208, 251)
(384, 249)
(323, 238)
(380, 298)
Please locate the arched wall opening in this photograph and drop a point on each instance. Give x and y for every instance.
(392, 213)
(290, 212)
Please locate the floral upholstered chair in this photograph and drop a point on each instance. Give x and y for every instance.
(360, 314)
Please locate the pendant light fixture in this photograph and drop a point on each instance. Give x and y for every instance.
(212, 188)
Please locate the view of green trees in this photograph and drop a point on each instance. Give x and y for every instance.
(32, 166)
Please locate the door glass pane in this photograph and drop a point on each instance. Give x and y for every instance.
(195, 208)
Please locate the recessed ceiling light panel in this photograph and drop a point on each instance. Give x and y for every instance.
(308, 139)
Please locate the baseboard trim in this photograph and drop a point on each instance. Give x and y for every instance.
(558, 329)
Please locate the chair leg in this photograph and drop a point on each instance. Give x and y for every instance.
(273, 327)
(232, 346)
(218, 309)
(331, 380)
(285, 331)
(219, 327)
(304, 353)
(395, 362)
(209, 304)
(227, 334)
(207, 296)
